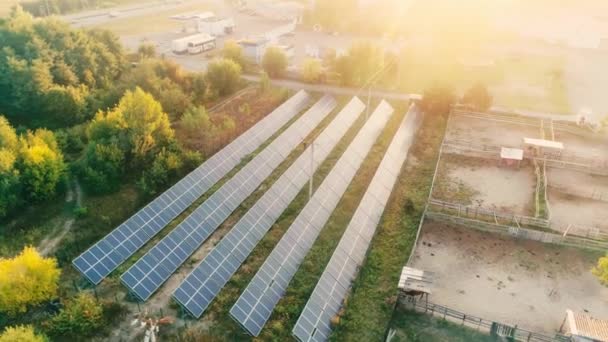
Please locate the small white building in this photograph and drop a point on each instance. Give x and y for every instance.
(216, 26)
(254, 49)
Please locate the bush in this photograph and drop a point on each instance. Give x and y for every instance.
(21, 334)
(27, 279)
(223, 76)
(82, 316)
(311, 70)
(274, 62)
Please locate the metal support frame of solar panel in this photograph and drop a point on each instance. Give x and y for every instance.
(255, 305)
(108, 253)
(203, 284)
(314, 323)
(158, 264)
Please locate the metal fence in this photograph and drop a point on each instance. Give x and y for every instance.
(487, 214)
(593, 194)
(520, 232)
(565, 160)
(512, 333)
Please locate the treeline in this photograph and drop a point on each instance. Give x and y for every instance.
(76, 94)
(42, 8)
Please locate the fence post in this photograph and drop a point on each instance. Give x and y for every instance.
(464, 316)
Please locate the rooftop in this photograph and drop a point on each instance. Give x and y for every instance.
(586, 326)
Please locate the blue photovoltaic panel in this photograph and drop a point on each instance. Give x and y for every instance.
(201, 286)
(108, 253)
(156, 266)
(314, 323)
(254, 306)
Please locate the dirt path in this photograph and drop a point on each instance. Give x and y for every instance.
(49, 244)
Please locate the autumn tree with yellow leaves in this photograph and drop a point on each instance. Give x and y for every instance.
(21, 334)
(27, 279)
(601, 270)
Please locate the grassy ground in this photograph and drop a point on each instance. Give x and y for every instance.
(152, 23)
(370, 305)
(413, 326)
(217, 316)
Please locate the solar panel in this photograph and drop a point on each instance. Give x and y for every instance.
(158, 264)
(203, 284)
(326, 299)
(108, 253)
(254, 306)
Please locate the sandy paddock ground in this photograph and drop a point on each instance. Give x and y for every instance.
(583, 147)
(490, 132)
(499, 188)
(507, 280)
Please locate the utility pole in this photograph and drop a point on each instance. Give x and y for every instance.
(312, 169)
(369, 95)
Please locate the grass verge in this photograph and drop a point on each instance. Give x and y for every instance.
(370, 305)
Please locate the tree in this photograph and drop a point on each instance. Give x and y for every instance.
(146, 50)
(264, 82)
(27, 279)
(223, 76)
(196, 121)
(21, 333)
(437, 100)
(81, 317)
(601, 270)
(311, 70)
(362, 62)
(233, 51)
(8, 136)
(165, 166)
(274, 61)
(103, 167)
(478, 97)
(41, 164)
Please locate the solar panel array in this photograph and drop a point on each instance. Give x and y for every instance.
(108, 253)
(254, 306)
(326, 299)
(156, 266)
(204, 283)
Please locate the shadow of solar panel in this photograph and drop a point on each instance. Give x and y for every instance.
(278, 269)
(102, 258)
(156, 266)
(314, 323)
(224, 260)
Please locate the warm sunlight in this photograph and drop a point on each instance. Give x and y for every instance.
(304, 170)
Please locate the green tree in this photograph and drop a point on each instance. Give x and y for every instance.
(311, 70)
(21, 333)
(103, 167)
(165, 166)
(81, 317)
(233, 51)
(274, 61)
(146, 50)
(195, 121)
(264, 82)
(362, 62)
(601, 270)
(223, 76)
(27, 279)
(478, 97)
(41, 164)
(437, 100)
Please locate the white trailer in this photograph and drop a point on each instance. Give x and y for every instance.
(193, 44)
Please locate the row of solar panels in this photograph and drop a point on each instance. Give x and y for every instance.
(255, 305)
(314, 323)
(160, 262)
(205, 282)
(107, 254)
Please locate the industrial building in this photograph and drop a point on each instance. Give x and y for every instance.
(216, 26)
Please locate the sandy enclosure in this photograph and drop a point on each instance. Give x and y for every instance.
(490, 132)
(583, 147)
(585, 213)
(500, 188)
(512, 281)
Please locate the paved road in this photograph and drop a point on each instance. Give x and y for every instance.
(323, 88)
